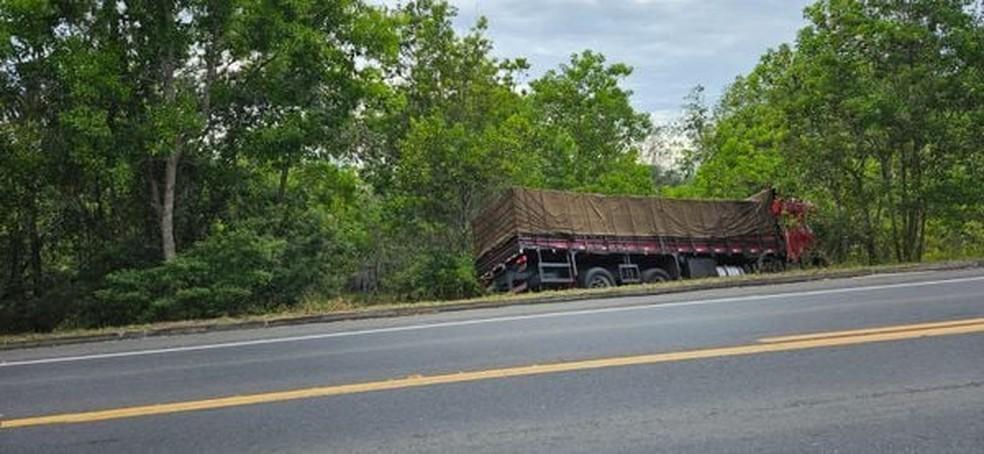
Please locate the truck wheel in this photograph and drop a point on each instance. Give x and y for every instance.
(597, 278)
(654, 275)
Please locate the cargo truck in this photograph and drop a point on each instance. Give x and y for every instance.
(531, 239)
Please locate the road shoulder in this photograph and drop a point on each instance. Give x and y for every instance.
(492, 302)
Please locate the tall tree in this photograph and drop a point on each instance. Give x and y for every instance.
(458, 100)
(296, 93)
(887, 86)
(596, 132)
(694, 126)
(278, 79)
(130, 127)
(871, 114)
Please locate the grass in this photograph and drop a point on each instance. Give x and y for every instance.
(314, 306)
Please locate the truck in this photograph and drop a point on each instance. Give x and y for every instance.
(533, 239)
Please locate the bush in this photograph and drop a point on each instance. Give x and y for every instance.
(229, 273)
(438, 275)
(19, 313)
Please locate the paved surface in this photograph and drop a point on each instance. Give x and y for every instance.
(913, 395)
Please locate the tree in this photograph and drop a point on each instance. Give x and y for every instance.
(694, 127)
(594, 133)
(446, 146)
(892, 83)
(61, 174)
(131, 128)
(738, 150)
(297, 91)
(871, 115)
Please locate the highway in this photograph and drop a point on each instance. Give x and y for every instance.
(887, 363)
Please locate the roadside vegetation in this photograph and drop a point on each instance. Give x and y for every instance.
(172, 160)
(352, 307)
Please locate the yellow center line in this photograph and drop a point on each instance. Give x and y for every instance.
(860, 332)
(844, 338)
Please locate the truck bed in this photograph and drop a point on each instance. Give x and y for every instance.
(525, 219)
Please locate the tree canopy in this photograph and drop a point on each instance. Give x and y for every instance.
(874, 114)
(198, 158)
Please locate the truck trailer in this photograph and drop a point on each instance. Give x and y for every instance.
(529, 239)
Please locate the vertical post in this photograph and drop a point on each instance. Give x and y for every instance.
(573, 261)
(676, 265)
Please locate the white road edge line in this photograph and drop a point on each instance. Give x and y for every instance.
(394, 329)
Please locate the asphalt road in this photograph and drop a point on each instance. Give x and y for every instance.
(919, 391)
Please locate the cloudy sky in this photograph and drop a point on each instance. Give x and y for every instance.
(672, 44)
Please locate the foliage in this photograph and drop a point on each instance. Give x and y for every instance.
(229, 273)
(258, 264)
(132, 127)
(593, 132)
(873, 115)
(459, 130)
(437, 274)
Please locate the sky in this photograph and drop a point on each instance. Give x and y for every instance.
(672, 45)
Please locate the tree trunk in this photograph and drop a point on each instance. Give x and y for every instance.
(167, 206)
(14, 276)
(893, 208)
(36, 245)
(864, 204)
(870, 245)
(921, 246)
(168, 249)
(840, 232)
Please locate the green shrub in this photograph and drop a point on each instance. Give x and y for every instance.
(438, 275)
(229, 273)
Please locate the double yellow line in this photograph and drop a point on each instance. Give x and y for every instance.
(765, 345)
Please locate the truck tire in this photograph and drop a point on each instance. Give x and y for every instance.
(597, 277)
(653, 275)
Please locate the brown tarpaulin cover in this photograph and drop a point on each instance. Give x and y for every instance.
(522, 211)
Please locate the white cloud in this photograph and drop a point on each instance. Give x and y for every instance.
(672, 44)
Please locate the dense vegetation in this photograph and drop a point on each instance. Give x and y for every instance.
(173, 159)
(876, 114)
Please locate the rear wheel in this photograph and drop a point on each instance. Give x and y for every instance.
(597, 278)
(653, 275)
